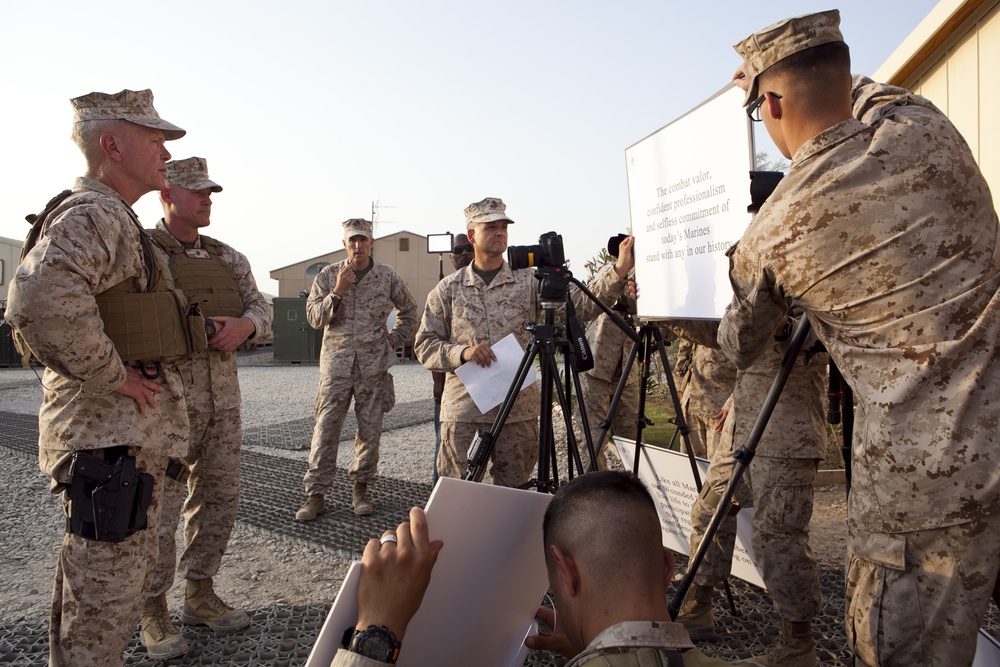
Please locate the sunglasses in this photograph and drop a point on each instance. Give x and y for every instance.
(462, 249)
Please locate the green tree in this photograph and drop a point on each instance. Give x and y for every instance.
(763, 162)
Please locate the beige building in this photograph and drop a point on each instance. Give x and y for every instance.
(403, 251)
(953, 59)
(10, 255)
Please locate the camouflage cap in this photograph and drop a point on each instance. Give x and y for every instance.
(356, 226)
(785, 38)
(135, 106)
(487, 210)
(191, 174)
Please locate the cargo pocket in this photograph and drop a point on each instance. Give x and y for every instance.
(388, 393)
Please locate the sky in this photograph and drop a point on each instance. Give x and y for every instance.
(310, 112)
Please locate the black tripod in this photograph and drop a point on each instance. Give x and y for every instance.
(744, 455)
(548, 339)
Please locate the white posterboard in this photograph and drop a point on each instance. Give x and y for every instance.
(688, 189)
(486, 586)
(668, 476)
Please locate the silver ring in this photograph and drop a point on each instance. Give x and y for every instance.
(390, 537)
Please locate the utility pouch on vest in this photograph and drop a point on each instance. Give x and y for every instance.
(108, 501)
(198, 329)
(144, 326)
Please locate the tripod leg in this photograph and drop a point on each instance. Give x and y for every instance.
(482, 446)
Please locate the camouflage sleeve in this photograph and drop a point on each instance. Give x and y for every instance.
(345, 658)
(606, 286)
(702, 332)
(433, 345)
(406, 312)
(52, 305)
(874, 102)
(748, 326)
(255, 305)
(320, 304)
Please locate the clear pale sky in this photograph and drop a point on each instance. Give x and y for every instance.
(307, 112)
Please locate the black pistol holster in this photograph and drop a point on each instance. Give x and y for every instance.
(107, 498)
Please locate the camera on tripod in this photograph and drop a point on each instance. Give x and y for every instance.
(548, 253)
(549, 261)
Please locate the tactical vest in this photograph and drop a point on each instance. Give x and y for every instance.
(202, 275)
(155, 325)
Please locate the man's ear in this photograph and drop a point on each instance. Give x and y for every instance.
(566, 569)
(470, 233)
(110, 146)
(773, 103)
(668, 568)
(166, 196)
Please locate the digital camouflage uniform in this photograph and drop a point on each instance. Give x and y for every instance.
(213, 456)
(463, 311)
(637, 643)
(92, 244)
(610, 347)
(908, 308)
(778, 483)
(708, 385)
(355, 361)
(629, 644)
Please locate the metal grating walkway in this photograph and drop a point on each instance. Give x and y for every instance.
(282, 635)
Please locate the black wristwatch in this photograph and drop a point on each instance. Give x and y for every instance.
(376, 642)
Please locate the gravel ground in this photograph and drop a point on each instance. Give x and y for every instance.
(258, 570)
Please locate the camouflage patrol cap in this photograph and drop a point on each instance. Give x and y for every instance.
(785, 38)
(191, 174)
(487, 210)
(356, 226)
(135, 106)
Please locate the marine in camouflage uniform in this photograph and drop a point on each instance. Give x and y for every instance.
(469, 311)
(779, 485)
(92, 400)
(352, 301)
(218, 278)
(610, 347)
(708, 384)
(461, 256)
(884, 231)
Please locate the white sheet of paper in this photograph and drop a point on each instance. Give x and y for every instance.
(486, 586)
(488, 386)
(667, 475)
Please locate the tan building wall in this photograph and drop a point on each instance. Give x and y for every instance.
(10, 255)
(404, 251)
(953, 59)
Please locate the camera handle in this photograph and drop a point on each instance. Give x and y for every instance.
(744, 456)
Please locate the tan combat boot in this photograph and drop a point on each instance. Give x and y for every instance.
(795, 647)
(312, 508)
(159, 635)
(359, 498)
(203, 607)
(696, 613)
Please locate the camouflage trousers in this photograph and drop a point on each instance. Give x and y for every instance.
(373, 396)
(213, 498)
(100, 587)
(781, 491)
(597, 395)
(701, 434)
(514, 454)
(919, 598)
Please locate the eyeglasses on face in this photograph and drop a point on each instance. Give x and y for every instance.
(462, 249)
(753, 111)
